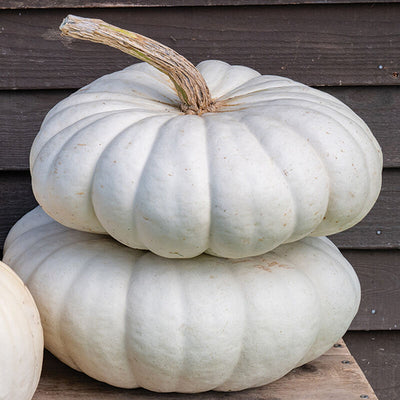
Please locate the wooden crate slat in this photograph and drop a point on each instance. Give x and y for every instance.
(378, 355)
(16, 199)
(24, 4)
(21, 113)
(379, 275)
(326, 378)
(380, 228)
(303, 43)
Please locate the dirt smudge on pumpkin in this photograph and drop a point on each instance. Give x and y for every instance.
(273, 264)
(263, 267)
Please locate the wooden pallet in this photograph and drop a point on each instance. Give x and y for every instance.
(333, 376)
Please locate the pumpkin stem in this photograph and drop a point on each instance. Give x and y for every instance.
(189, 83)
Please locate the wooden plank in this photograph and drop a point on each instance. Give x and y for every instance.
(378, 354)
(376, 106)
(24, 4)
(300, 42)
(333, 376)
(21, 113)
(379, 230)
(379, 275)
(16, 199)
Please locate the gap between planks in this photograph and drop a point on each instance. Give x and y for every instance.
(333, 376)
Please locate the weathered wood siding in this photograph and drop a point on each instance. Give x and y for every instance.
(349, 49)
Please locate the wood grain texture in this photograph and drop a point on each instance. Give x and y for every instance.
(24, 4)
(22, 111)
(16, 199)
(326, 378)
(301, 42)
(379, 275)
(380, 229)
(21, 114)
(378, 354)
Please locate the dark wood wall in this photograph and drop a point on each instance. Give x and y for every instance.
(349, 49)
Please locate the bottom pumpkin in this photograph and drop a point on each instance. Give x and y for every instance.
(133, 319)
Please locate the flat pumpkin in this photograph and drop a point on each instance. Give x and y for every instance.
(21, 339)
(218, 159)
(133, 319)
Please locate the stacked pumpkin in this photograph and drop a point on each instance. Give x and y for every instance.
(183, 161)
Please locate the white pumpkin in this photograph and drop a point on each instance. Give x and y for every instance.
(273, 162)
(132, 319)
(21, 339)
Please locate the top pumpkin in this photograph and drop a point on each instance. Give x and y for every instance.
(262, 161)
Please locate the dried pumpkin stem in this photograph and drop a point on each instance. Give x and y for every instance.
(189, 83)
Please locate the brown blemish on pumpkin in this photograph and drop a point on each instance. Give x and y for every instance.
(81, 144)
(277, 264)
(263, 267)
(80, 193)
(273, 263)
(175, 252)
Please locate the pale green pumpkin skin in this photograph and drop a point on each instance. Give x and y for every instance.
(21, 339)
(279, 161)
(133, 319)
